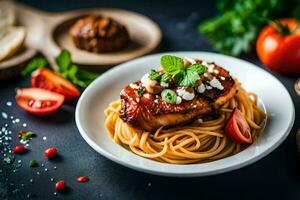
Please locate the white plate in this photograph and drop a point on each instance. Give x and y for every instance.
(276, 99)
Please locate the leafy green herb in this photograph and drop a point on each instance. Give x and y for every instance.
(165, 78)
(169, 96)
(72, 72)
(172, 64)
(63, 61)
(182, 76)
(189, 79)
(154, 75)
(33, 163)
(140, 92)
(235, 29)
(198, 68)
(27, 135)
(34, 64)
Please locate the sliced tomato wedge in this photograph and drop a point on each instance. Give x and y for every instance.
(49, 80)
(238, 129)
(38, 101)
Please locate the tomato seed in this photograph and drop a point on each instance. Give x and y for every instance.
(60, 185)
(49, 153)
(82, 179)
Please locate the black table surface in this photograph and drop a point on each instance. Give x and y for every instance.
(276, 176)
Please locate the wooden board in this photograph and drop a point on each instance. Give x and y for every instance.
(48, 33)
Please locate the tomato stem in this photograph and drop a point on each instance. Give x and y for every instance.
(284, 29)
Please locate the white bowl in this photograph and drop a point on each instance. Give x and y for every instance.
(106, 88)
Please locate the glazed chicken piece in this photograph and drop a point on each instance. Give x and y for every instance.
(150, 112)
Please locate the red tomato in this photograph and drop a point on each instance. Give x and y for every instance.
(19, 149)
(60, 185)
(51, 152)
(45, 78)
(38, 101)
(238, 129)
(279, 49)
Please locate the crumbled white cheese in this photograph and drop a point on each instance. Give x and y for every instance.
(205, 75)
(155, 100)
(201, 88)
(222, 78)
(216, 84)
(186, 95)
(145, 80)
(208, 87)
(147, 95)
(164, 84)
(216, 71)
(204, 63)
(134, 86)
(200, 120)
(210, 68)
(178, 100)
(190, 60)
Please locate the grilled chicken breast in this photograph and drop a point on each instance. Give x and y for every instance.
(150, 111)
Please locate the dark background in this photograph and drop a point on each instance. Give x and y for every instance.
(274, 177)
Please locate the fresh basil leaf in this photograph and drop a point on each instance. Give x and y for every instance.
(165, 78)
(87, 75)
(189, 78)
(34, 64)
(154, 75)
(172, 64)
(198, 68)
(63, 60)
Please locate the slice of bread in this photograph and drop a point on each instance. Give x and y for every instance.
(7, 15)
(11, 40)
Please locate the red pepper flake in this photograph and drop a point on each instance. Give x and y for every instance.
(19, 149)
(82, 179)
(51, 152)
(21, 133)
(60, 185)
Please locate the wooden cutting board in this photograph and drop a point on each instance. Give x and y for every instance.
(48, 34)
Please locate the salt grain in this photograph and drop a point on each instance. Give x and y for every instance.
(17, 120)
(24, 124)
(4, 115)
(9, 103)
(44, 138)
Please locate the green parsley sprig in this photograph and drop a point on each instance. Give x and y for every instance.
(234, 30)
(66, 69)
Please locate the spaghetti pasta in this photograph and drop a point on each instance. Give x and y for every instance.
(203, 140)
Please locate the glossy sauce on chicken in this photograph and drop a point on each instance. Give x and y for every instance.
(149, 111)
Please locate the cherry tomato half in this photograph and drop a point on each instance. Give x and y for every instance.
(278, 46)
(49, 80)
(238, 129)
(38, 101)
